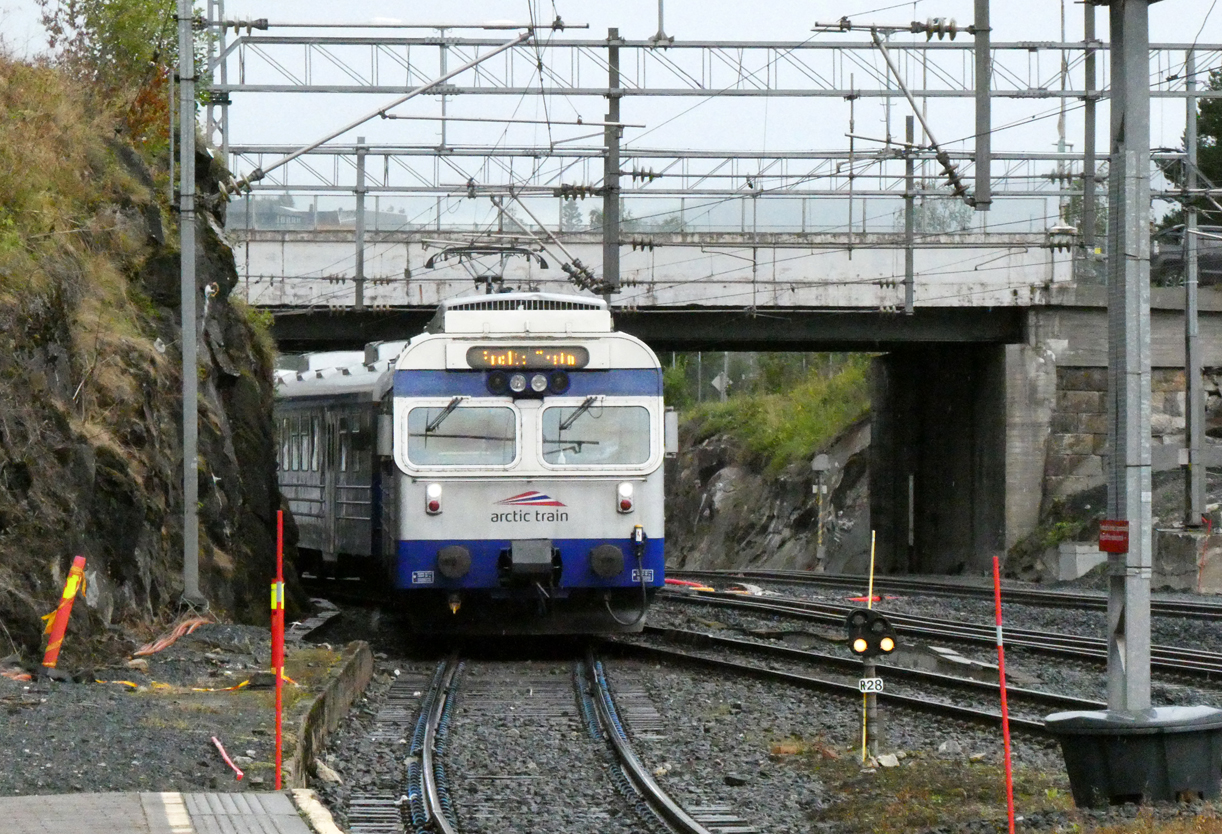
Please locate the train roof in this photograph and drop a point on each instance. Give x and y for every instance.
(365, 374)
(537, 313)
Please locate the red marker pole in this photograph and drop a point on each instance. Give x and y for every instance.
(1005, 710)
(76, 577)
(278, 641)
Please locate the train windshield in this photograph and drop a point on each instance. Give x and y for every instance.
(598, 435)
(453, 436)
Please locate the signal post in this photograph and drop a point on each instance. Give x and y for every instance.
(870, 634)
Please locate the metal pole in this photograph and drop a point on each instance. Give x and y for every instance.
(444, 54)
(873, 729)
(1129, 357)
(909, 215)
(725, 374)
(170, 106)
(359, 221)
(611, 189)
(1062, 166)
(984, 116)
(1088, 160)
(1194, 428)
(852, 160)
(225, 100)
(699, 377)
(190, 367)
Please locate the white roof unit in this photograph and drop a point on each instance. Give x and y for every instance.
(536, 313)
(325, 374)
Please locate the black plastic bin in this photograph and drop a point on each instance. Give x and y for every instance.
(1162, 754)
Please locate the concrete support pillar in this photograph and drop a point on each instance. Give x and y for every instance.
(1031, 397)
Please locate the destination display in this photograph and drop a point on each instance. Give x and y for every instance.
(527, 357)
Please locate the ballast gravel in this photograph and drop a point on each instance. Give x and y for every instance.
(712, 739)
(143, 729)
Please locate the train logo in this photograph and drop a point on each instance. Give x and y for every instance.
(534, 498)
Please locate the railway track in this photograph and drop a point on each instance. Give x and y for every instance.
(1200, 609)
(416, 720)
(917, 703)
(852, 667)
(1168, 659)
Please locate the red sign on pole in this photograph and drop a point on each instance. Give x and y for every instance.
(1114, 536)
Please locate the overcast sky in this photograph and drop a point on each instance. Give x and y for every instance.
(756, 123)
(1171, 20)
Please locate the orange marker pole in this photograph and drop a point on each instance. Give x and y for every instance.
(76, 577)
(1005, 710)
(278, 641)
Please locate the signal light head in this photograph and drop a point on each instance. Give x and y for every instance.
(432, 499)
(869, 633)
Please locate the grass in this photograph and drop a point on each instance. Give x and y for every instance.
(785, 428)
(925, 793)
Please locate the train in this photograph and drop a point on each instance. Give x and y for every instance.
(499, 473)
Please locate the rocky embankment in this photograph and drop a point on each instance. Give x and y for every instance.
(723, 510)
(90, 385)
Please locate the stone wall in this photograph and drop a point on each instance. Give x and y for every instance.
(1077, 442)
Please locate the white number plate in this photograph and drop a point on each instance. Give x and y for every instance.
(870, 685)
(422, 577)
(636, 574)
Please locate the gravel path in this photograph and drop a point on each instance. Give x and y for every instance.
(64, 737)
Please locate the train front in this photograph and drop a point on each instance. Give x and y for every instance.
(530, 445)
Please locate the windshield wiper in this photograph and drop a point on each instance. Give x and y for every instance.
(440, 418)
(581, 409)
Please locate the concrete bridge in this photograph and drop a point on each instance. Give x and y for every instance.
(679, 290)
(989, 399)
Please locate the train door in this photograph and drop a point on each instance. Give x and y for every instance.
(353, 482)
(330, 458)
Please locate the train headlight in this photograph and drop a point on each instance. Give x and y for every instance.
(517, 383)
(432, 499)
(623, 497)
(558, 382)
(498, 383)
(538, 383)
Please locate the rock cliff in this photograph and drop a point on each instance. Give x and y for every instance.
(90, 390)
(726, 511)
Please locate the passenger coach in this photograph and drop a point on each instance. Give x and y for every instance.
(515, 480)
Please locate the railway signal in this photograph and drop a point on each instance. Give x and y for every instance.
(869, 633)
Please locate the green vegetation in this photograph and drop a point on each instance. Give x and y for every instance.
(924, 793)
(122, 52)
(784, 416)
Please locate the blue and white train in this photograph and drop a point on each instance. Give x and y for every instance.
(503, 470)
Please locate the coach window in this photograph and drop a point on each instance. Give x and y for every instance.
(307, 443)
(345, 447)
(596, 435)
(295, 444)
(315, 443)
(455, 436)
